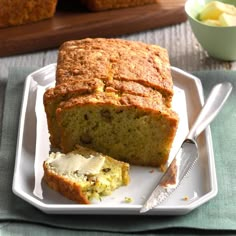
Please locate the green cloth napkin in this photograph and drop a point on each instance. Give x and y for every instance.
(217, 214)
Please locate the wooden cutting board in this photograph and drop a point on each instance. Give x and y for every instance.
(67, 25)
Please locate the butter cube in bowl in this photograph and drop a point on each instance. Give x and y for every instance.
(214, 25)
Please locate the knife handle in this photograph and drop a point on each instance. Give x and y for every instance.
(211, 108)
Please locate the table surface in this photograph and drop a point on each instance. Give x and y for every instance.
(184, 52)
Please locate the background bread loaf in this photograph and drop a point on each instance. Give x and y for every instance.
(18, 12)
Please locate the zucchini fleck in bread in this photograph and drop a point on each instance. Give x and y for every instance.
(116, 59)
(135, 129)
(18, 12)
(84, 175)
(101, 5)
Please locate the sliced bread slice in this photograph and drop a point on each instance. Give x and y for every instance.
(84, 175)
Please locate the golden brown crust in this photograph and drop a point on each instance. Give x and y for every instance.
(64, 186)
(17, 12)
(73, 87)
(153, 104)
(101, 5)
(116, 59)
(84, 86)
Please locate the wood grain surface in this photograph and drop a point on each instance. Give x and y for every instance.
(68, 25)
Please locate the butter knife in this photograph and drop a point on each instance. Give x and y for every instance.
(188, 152)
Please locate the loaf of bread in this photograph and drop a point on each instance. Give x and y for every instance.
(101, 5)
(84, 175)
(113, 96)
(18, 12)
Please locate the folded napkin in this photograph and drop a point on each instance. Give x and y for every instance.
(217, 214)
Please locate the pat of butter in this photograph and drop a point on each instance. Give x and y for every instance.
(214, 9)
(227, 20)
(73, 162)
(212, 22)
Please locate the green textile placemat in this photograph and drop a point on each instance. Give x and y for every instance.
(217, 214)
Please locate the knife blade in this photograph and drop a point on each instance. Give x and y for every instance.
(188, 154)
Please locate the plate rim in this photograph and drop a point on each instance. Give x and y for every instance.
(88, 209)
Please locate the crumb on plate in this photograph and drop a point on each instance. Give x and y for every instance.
(128, 199)
(185, 198)
(163, 168)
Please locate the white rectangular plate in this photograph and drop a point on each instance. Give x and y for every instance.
(33, 148)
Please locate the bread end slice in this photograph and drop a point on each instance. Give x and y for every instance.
(97, 176)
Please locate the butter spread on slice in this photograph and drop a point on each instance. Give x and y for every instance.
(71, 162)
